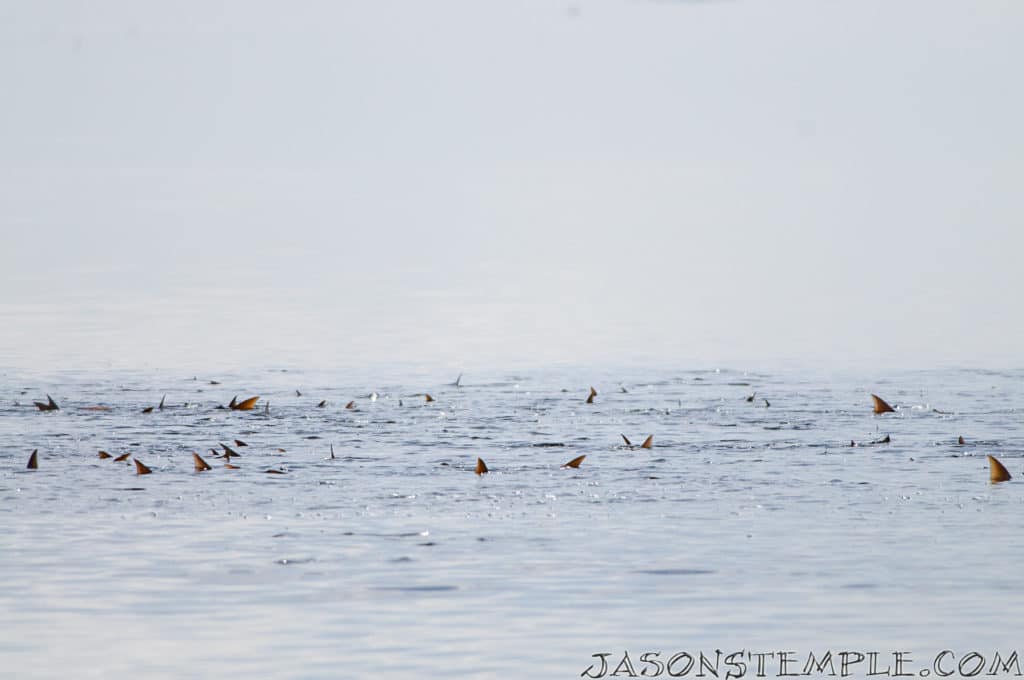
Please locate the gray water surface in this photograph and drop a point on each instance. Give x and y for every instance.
(746, 526)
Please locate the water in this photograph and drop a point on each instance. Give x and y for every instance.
(746, 526)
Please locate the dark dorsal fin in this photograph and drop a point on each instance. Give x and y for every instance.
(648, 443)
(626, 439)
(33, 461)
(350, 405)
(593, 393)
(428, 398)
(50, 404)
(481, 467)
(104, 454)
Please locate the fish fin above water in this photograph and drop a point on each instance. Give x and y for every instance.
(881, 405)
(48, 405)
(997, 472)
(246, 405)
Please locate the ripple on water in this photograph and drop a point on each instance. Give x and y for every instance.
(764, 504)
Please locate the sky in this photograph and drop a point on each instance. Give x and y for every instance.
(482, 184)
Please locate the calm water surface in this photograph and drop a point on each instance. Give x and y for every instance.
(746, 526)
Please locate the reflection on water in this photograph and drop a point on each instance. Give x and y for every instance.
(745, 526)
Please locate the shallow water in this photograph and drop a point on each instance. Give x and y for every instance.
(746, 526)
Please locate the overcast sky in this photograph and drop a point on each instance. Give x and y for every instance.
(474, 183)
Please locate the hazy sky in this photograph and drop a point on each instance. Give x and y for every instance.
(475, 183)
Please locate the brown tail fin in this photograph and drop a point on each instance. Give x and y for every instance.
(881, 406)
(148, 409)
(996, 471)
(575, 462)
(229, 452)
(593, 393)
(350, 405)
(122, 458)
(960, 440)
(104, 454)
(201, 465)
(33, 461)
(648, 443)
(246, 405)
(428, 398)
(481, 467)
(141, 469)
